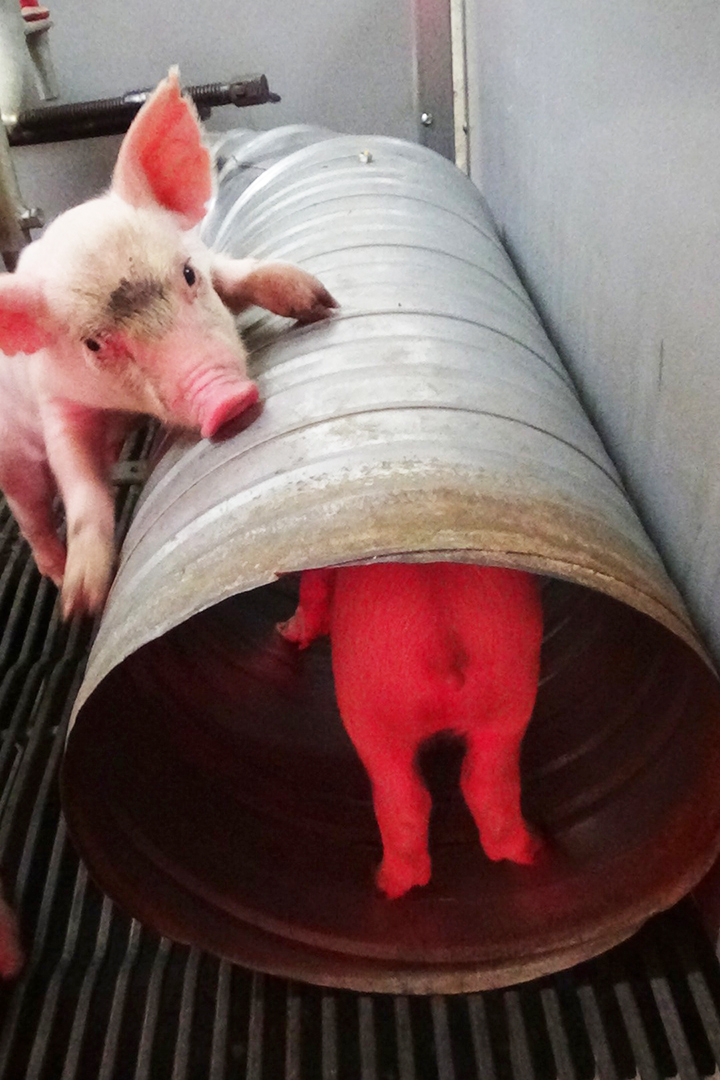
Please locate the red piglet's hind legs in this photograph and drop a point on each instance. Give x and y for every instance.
(490, 783)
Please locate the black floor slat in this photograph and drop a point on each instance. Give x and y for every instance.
(110, 1053)
(480, 1037)
(700, 990)
(444, 1063)
(103, 999)
(293, 1036)
(329, 1038)
(405, 1055)
(368, 1049)
(635, 1027)
(520, 1057)
(564, 1067)
(667, 1007)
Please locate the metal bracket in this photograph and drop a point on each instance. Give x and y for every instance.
(113, 116)
(434, 76)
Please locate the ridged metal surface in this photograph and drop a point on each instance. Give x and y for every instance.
(430, 418)
(103, 999)
(241, 156)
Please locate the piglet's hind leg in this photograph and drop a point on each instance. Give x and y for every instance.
(490, 784)
(402, 809)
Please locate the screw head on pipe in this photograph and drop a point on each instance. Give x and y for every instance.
(427, 119)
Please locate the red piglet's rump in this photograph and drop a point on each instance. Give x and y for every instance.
(423, 648)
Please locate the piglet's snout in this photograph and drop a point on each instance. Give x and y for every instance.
(201, 379)
(211, 395)
(221, 400)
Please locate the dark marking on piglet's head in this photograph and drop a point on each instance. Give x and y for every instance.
(140, 306)
(133, 297)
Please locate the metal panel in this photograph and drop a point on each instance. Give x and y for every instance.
(434, 76)
(595, 140)
(349, 66)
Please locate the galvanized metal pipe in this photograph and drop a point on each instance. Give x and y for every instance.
(430, 419)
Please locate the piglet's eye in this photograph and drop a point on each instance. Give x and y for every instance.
(189, 274)
(92, 344)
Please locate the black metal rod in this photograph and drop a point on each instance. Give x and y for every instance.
(113, 116)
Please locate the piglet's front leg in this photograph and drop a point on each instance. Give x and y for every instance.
(279, 287)
(76, 440)
(30, 489)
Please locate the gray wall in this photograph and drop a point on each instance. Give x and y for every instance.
(349, 66)
(346, 65)
(595, 135)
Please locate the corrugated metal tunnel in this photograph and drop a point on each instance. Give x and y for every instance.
(208, 781)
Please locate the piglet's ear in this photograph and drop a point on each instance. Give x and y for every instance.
(24, 322)
(162, 160)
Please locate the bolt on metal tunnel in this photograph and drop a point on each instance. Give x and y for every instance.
(208, 781)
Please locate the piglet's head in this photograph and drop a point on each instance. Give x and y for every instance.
(119, 293)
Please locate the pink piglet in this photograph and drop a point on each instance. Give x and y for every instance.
(119, 310)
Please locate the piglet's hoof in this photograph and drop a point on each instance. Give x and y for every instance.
(296, 630)
(287, 290)
(87, 574)
(519, 846)
(52, 564)
(396, 877)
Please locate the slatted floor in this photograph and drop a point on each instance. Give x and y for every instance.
(102, 999)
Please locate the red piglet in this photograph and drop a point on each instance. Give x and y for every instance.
(419, 648)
